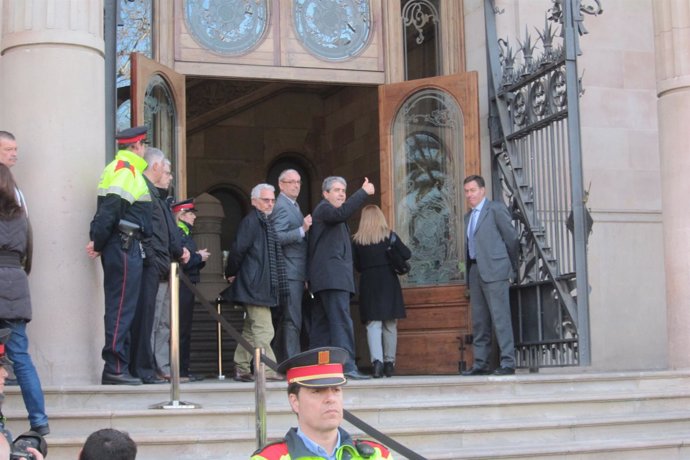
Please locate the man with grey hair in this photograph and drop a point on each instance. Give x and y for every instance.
(8, 157)
(160, 335)
(330, 269)
(8, 149)
(292, 227)
(256, 269)
(160, 248)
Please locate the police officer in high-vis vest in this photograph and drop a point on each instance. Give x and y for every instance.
(122, 221)
(315, 379)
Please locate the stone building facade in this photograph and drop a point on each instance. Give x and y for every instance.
(635, 110)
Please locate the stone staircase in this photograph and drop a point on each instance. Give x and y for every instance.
(631, 415)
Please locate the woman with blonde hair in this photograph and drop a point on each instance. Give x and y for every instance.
(380, 295)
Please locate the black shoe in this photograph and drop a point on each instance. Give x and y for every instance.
(243, 376)
(378, 369)
(475, 371)
(153, 380)
(119, 379)
(356, 375)
(504, 371)
(195, 377)
(43, 430)
(388, 369)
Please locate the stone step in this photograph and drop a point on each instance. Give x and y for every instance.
(652, 448)
(429, 389)
(232, 416)
(522, 416)
(465, 440)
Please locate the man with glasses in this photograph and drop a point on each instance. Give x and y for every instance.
(164, 245)
(292, 227)
(256, 268)
(122, 220)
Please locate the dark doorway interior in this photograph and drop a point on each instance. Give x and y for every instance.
(241, 133)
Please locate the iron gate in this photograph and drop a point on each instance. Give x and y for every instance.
(537, 169)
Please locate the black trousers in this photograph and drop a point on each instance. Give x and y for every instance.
(122, 270)
(141, 354)
(331, 324)
(186, 318)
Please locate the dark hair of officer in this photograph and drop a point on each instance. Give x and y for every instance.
(9, 208)
(108, 444)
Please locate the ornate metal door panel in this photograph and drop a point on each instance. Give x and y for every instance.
(158, 101)
(537, 166)
(429, 133)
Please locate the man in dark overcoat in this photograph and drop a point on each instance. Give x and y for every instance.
(331, 277)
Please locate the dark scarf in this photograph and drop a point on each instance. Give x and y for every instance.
(276, 262)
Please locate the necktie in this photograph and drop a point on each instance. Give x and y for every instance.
(470, 235)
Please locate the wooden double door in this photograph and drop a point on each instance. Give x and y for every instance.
(429, 141)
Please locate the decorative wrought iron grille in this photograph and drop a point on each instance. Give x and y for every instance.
(537, 169)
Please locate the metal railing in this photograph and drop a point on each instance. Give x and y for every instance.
(260, 363)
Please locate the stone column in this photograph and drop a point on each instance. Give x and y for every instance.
(672, 39)
(52, 95)
(207, 230)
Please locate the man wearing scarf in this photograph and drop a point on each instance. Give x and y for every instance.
(256, 268)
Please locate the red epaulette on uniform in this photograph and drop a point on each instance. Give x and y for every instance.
(273, 451)
(384, 450)
(124, 165)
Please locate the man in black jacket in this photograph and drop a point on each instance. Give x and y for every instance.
(330, 269)
(160, 249)
(257, 270)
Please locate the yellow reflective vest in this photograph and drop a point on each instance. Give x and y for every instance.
(122, 194)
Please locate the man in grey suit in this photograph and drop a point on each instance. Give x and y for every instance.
(492, 259)
(330, 269)
(292, 227)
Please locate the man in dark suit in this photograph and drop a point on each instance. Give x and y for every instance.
(492, 259)
(330, 269)
(292, 227)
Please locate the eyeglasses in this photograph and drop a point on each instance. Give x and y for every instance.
(268, 200)
(291, 181)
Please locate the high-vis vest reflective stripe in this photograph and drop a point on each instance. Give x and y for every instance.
(183, 226)
(123, 177)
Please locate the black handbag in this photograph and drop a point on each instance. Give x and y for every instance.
(400, 265)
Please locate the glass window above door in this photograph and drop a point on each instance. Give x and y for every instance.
(421, 26)
(228, 27)
(333, 30)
